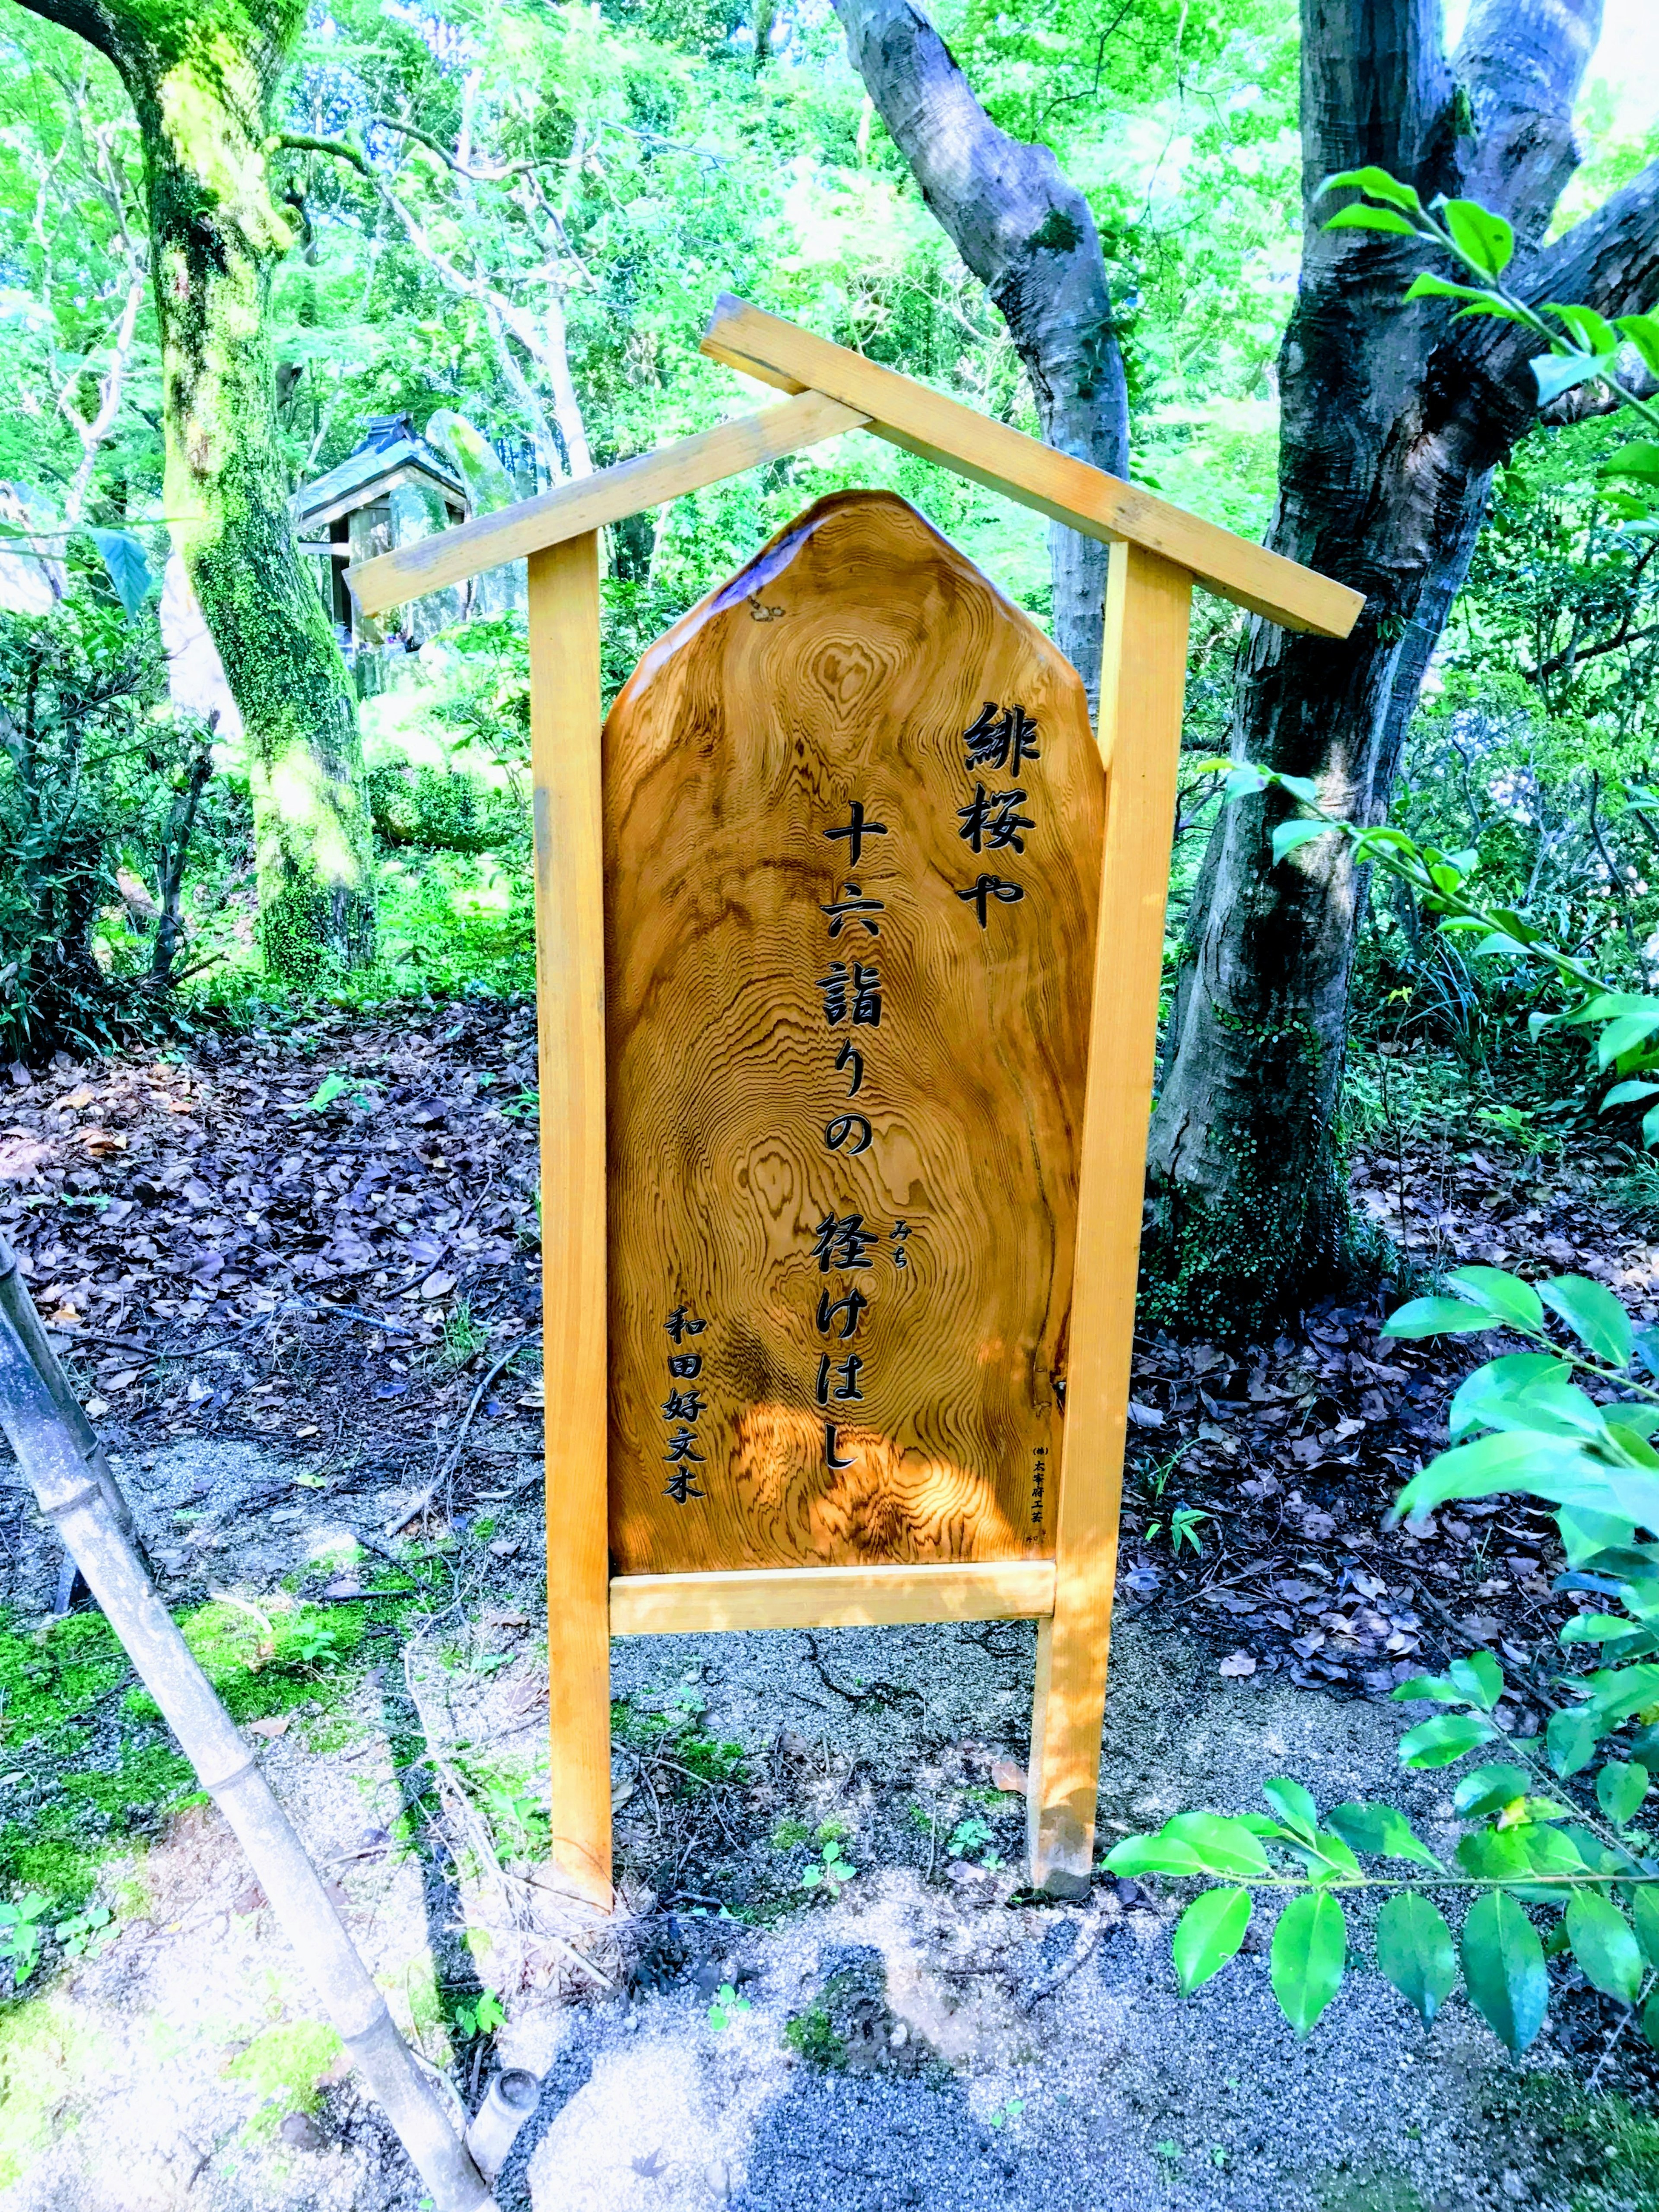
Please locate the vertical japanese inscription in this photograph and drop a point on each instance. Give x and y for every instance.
(851, 859)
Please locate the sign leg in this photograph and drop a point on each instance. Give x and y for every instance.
(1142, 692)
(565, 768)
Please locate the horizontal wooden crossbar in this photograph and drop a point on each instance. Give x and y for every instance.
(830, 1597)
(836, 391)
(571, 510)
(1071, 491)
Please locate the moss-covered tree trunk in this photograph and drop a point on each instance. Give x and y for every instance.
(202, 76)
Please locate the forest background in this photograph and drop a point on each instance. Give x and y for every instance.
(508, 225)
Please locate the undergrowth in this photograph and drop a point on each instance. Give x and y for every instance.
(86, 1765)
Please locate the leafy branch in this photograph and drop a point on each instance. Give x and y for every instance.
(1583, 346)
(1628, 1020)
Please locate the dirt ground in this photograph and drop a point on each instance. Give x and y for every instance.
(295, 1277)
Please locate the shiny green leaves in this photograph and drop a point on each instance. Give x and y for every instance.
(1414, 1950)
(1310, 1946)
(1605, 1945)
(1509, 1983)
(1382, 1832)
(1191, 1843)
(1447, 1737)
(1210, 1932)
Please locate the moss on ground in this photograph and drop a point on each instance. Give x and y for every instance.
(86, 1765)
(41, 2050)
(281, 2067)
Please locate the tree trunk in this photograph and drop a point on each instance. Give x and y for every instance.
(1395, 418)
(203, 82)
(1027, 233)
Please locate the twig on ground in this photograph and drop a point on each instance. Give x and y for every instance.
(1087, 1944)
(424, 1496)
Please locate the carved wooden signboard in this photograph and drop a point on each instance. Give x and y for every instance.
(849, 947)
(853, 817)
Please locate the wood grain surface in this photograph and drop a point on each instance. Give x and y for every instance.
(844, 668)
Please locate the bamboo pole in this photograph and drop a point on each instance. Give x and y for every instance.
(80, 1498)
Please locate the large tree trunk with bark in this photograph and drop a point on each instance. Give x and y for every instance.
(202, 80)
(1027, 233)
(1394, 419)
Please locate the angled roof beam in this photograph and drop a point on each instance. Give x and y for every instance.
(571, 509)
(1084, 498)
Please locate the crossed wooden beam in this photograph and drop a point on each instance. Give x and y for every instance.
(1159, 553)
(837, 391)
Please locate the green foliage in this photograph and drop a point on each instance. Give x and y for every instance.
(91, 768)
(479, 2016)
(20, 1931)
(831, 1872)
(727, 2006)
(1519, 1423)
(281, 2066)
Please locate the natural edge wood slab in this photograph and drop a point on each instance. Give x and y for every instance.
(853, 813)
(830, 1597)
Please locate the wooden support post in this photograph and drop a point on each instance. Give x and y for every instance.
(1148, 600)
(565, 768)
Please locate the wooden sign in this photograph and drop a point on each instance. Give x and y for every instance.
(847, 964)
(853, 813)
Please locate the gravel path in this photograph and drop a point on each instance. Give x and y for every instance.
(919, 2038)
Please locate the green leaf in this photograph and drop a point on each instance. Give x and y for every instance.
(1361, 217)
(1627, 1094)
(1503, 1965)
(1310, 1945)
(1135, 1855)
(1448, 1736)
(1289, 834)
(1620, 1692)
(1590, 332)
(1555, 374)
(1549, 1850)
(1208, 1934)
(1619, 1789)
(1479, 1677)
(1485, 238)
(1222, 1845)
(1639, 460)
(1383, 1831)
(1414, 1950)
(1494, 1854)
(1244, 781)
(1488, 1790)
(1380, 185)
(1493, 1396)
(1624, 1035)
(1294, 1807)
(1299, 786)
(1519, 1460)
(1427, 287)
(1599, 1628)
(1436, 1317)
(1506, 1295)
(1604, 1946)
(1593, 1313)
(128, 571)
(1440, 1687)
(1642, 331)
(1644, 1912)
(1571, 1739)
